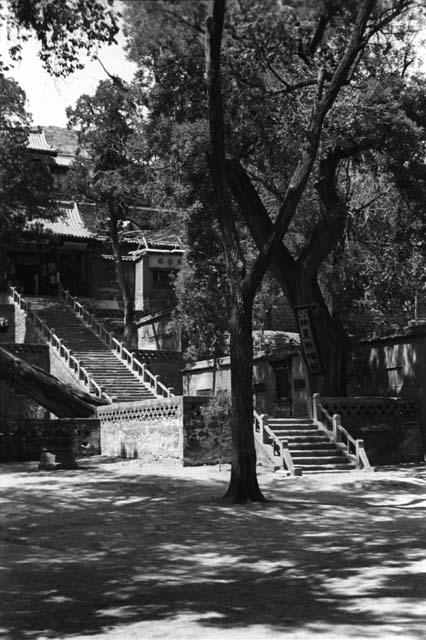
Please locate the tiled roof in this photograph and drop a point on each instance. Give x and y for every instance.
(64, 140)
(60, 142)
(37, 142)
(69, 224)
(109, 256)
(64, 161)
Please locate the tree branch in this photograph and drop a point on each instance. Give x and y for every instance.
(302, 172)
(331, 226)
(182, 20)
(260, 225)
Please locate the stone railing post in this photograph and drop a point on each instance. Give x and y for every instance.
(264, 423)
(337, 421)
(315, 402)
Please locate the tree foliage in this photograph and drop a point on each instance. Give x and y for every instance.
(107, 171)
(25, 185)
(272, 59)
(64, 29)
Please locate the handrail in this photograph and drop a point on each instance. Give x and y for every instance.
(279, 448)
(338, 434)
(73, 363)
(137, 367)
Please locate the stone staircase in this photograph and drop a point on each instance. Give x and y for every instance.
(310, 448)
(97, 358)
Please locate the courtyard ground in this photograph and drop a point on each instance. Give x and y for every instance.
(130, 551)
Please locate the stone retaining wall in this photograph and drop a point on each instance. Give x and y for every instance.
(390, 427)
(14, 404)
(67, 438)
(162, 430)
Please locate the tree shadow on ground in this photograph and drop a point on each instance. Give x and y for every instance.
(82, 554)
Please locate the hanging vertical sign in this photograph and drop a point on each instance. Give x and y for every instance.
(307, 336)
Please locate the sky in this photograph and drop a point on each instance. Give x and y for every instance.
(48, 97)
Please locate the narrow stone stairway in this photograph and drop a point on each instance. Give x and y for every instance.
(99, 361)
(310, 449)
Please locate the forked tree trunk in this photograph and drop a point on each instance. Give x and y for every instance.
(62, 399)
(243, 485)
(299, 287)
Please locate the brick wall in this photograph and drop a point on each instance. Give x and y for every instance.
(390, 427)
(391, 366)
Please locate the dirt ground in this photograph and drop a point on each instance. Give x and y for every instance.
(130, 551)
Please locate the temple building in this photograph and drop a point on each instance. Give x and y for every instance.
(74, 251)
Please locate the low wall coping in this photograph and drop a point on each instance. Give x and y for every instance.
(222, 363)
(127, 406)
(362, 399)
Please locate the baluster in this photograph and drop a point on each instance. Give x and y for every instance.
(156, 384)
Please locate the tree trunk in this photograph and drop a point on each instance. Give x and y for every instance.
(329, 336)
(243, 485)
(130, 333)
(298, 281)
(58, 397)
(129, 327)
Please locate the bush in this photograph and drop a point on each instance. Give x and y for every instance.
(217, 418)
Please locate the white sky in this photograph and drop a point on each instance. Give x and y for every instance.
(48, 97)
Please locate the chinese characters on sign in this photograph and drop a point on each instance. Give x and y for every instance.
(307, 336)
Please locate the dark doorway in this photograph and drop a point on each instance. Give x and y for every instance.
(283, 387)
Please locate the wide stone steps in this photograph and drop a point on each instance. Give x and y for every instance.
(309, 445)
(330, 452)
(327, 468)
(95, 356)
(310, 448)
(285, 434)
